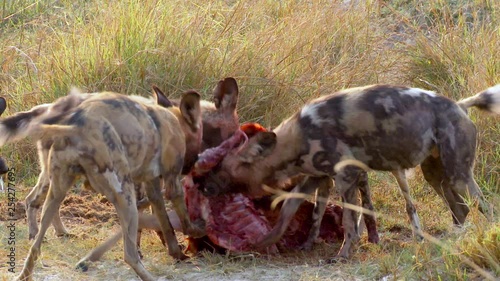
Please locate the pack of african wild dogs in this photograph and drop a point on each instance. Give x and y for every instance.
(140, 151)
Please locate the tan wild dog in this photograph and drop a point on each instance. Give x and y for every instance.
(383, 127)
(219, 119)
(115, 141)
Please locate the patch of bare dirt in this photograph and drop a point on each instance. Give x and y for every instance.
(79, 206)
(89, 207)
(6, 214)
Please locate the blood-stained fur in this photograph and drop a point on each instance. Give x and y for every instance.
(219, 118)
(387, 128)
(115, 141)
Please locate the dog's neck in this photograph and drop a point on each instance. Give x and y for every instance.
(282, 162)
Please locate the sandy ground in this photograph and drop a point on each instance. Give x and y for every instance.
(91, 218)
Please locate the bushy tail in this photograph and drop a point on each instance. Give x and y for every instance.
(19, 125)
(30, 123)
(488, 100)
(33, 128)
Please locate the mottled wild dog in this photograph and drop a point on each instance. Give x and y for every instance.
(387, 128)
(115, 141)
(219, 119)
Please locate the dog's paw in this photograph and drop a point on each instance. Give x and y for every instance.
(419, 238)
(337, 259)
(82, 266)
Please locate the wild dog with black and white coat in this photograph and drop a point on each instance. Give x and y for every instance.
(387, 128)
(115, 141)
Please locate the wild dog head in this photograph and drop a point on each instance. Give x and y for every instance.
(220, 119)
(3, 165)
(243, 169)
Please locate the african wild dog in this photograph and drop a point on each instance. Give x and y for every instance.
(388, 128)
(115, 141)
(219, 119)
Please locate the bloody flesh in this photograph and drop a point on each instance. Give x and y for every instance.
(235, 222)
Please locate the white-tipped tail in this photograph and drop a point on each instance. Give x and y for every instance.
(488, 100)
(75, 91)
(494, 92)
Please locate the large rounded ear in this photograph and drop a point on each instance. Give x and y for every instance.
(3, 105)
(191, 110)
(226, 94)
(160, 97)
(259, 146)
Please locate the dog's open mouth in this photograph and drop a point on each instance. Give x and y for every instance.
(234, 222)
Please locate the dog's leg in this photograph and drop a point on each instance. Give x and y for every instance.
(174, 193)
(465, 190)
(410, 207)
(456, 147)
(59, 227)
(158, 204)
(345, 182)
(61, 182)
(288, 210)
(34, 200)
(323, 190)
(474, 190)
(366, 201)
(120, 191)
(142, 205)
(126, 208)
(433, 171)
(38, 194)
(98, 251)
(146, 221)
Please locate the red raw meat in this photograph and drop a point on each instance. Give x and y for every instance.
(234, 222)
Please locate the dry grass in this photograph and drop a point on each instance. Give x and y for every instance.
(282, 53)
